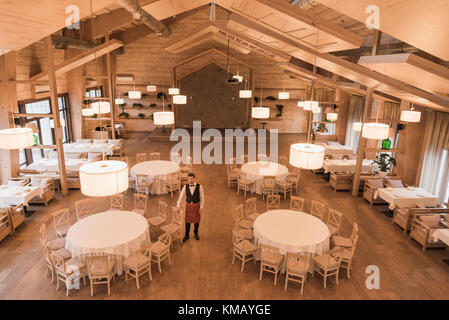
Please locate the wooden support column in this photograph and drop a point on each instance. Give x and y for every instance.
(76, 86)
(174, 106)
(362, 142)
(55, 111)
(376, 42)
(110, 62)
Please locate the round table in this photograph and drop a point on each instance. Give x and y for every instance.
(257, 170)
(116, 233)
(292, 231)
(158, 171)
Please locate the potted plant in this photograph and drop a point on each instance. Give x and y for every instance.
(141, 115)
(160, 95)
(256, 99)
(124, 115)
(152, 105)
(126, 94)
(144, 95)
(271, 98)
(122, 106)
(169, 106)
(384, 162)
(138, 105)
(280, 108)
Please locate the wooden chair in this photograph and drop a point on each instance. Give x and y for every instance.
(283, 160)
(285, 187)
(47, 192)
(143, 183)
(243, 183)
(346, 242)
(174, 183)
(61, 221)
(242, 249)
(341, 181)
(140, 204)
(160, 250)
(268, 186)
(293, 178)
(273, 202)
(240, 219)
(270, 260)
(69, 271)
(296, 269)
(370, 188)
(155, 156)
(346, 255)
(138, 264)
(334, 221)
(297, 203)
(403, 216)
(246, 234)
(161, 217)
(118, 202)
(317, 209)
(141, 157)
(174, 228)
(187, 165)
(17, 216)
(54, 245)
(232, 177)
(328, 265)
(251, 209)
(424, 226)
(5, 224)
(100, 271)
(48, 262)
(83, 208)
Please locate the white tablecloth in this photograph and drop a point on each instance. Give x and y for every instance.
(406, 197)
(292, 231)
(330, 150)
(52, 164)
(256, 171)
(14, 195)
(441, 234)
(108, 148)
(116, 233)
(158, 171)
(344, 165)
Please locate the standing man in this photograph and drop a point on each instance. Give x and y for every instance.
(194, 204)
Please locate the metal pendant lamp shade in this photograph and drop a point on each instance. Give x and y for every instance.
(104, 178)
(284, 95)
(332, 116)
(306, 156)
(245, 94)
(410, 116)
(180, 99)
(375, 131)
(164, 118)
(16, 138)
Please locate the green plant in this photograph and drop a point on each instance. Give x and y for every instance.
(160, 95)
(122, 106)
(124, 115)
(271, 98)
(141, 115)
(126, 94)
(384, 161)
(152, 105)
(169, 106)
(143, 95)
(94, 116)
(256, 99)
(280, 108)
(138, 105)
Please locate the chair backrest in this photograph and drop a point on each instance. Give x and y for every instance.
(273, 201)
(125, 159)
(83, 208)
(175, 178)
(43, 234)
(303, 259)
(58, 263)
(176, 216)
(145, 251)
(61, 218)
(283, 160)
(118, 201)
(297, 203)
(155, 156)
(141, 157)
(251, 206)
(163, 209)
(236, 237)
(47, 255)
(140, 201)
(165, 239)
(337, 254)
(238, 214)
(97, 266)
(334, 218)
(17, 210)
(142, 180)
(355, 230)
(317, 209)
(268, 181)
(264, 249)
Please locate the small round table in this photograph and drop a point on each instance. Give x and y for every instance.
(116, 233)
(158, 171)
(292, 231)
(257, 170)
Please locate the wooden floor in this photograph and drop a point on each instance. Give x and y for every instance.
(202, 269)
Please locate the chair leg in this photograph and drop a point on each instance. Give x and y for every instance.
(159, 265)
(137, 280)
(91, 288)
(243, 265)
(260, 277)
(233, 258)
(302, 286)
(286, 282)
(275, 277)
(109, 288)
(126, 275)
(149, 272)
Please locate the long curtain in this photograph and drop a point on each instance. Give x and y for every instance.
(435, 169)
(355, 115)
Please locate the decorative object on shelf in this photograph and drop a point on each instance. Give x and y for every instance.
(386, 144)
(33, 127)
(357, 126)
(122, 106)
(16, 138)
(280, 108)
(169, 106)
(284, 95)
(124, 115)
(103, 178)
(52, 123)
(384, 162)
(161, 95)
(306, 156)
(152, 105)
(138, 105)
(410, 115)
(141, 115)
(94, 116)
(271, 98)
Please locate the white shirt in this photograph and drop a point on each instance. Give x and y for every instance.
(182, 195)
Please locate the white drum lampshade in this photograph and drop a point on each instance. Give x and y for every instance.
(119, 101)
(332, 116)
(151, 88)
(306, 156)
(310, 105)
(134, 95)
(245, 93)
(52, 123)
(260, 113)
(179, 99)
(173, 91)
(301, 104)
(357, 126)
(164, 118)
(104, 178)
(410, 116)
(87, 112)
(283, 95)
(100, 107)
(377, 131)
(16, 138)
